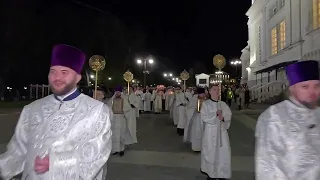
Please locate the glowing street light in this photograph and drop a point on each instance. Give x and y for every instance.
(92, 76)
(170, 74)
(144, 61)
(109, 78)
(236, 63)
(165, 74)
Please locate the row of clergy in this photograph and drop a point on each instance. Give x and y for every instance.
(156, 99)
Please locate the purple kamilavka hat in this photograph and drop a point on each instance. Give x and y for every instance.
(118, 88)
(302, 71)
(68, 56)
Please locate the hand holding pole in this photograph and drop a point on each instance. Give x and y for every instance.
(219, 62)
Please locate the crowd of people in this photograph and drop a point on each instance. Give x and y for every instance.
(69, 135)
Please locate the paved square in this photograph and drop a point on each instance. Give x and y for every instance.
(160, 153)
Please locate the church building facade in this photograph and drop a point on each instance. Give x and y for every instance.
(280, 32)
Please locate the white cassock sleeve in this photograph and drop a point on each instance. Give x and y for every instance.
(86, 161)
(227, 114)
(208, 114)
(270, 149)
(126, 105)
(134, 100)
(13, 160)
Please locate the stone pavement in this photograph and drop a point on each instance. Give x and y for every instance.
(160, 153)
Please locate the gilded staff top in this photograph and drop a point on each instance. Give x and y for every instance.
(128, 76)
(97, 63)
(184, 75)
(219, 61)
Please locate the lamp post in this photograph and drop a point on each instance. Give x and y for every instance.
(236, 63)
(145, 70)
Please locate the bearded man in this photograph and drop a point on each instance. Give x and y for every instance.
(288, 133)
(63, 136)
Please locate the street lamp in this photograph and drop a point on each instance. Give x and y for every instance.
(145, 70)
(92, 76)
(165, 74)
(109, 78)
(236, 63)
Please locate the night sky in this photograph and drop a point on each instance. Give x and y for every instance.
(180, 34)
(186, 31)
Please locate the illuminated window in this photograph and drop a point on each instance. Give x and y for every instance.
(282, 33)
(316, 14)
(274, 41)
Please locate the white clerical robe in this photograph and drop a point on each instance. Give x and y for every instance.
(153, 97)
(288, 142)
(146, 101)
(118, 123)
(196, 131)
(169, 102)
(130, 135)
(190, 110)
(139, 94)
(216, 151)
(134, 100)
(167, 97)
(158, 102)
(181, 103)
(175, 113)
(75, 134)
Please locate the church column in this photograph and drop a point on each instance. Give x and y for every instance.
(263, 35)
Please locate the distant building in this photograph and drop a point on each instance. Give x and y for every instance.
(202, 80)
(219, 76)
(207, 79)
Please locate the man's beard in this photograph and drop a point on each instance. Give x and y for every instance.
(309, 105)
(64, 91)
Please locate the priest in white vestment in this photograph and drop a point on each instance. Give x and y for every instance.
(192, 99)
(118, 122)
(158, 101)
(168, 99)
(288, 133)
(153, 97)
(139, 94)
(181, 103)
(216, 151)
(146, 100)
(129, 109)
(197, 126)
(65, 135)
(174, 107)
(134, 101)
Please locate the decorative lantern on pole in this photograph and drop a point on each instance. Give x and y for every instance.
(219, 62)
(128, 76)
(97, 63)
(184, 76)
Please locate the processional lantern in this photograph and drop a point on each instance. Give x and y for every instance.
(219, 62)
(184, 76)
(97, 63)
(128, 76)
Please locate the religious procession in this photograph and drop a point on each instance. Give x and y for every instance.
(70, 136)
